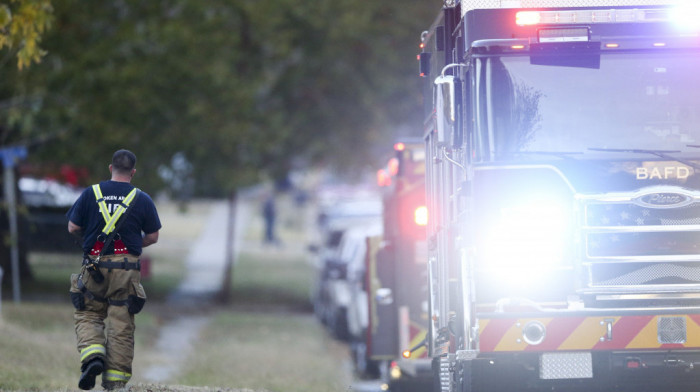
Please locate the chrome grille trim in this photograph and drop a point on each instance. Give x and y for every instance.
(649, 273)
(630, 247)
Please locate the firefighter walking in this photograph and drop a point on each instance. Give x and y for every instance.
(115, 221)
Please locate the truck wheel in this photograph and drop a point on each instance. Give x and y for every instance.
(339, 324)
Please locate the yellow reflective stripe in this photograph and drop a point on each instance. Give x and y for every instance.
(111, 220)
(115, 375)
(91, 350)
(100, 202)
(130, 197)
(118, 212)
(109, 226)
(98, 192)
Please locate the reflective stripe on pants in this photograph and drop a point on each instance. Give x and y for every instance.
(115, 375)
(93, 349)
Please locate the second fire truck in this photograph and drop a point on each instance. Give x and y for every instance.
(396, 275)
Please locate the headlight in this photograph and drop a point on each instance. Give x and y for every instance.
(686, 16)
(527, 235)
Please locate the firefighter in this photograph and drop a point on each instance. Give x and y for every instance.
(108, 292)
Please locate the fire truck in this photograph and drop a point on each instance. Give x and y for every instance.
(562, 145)
(396, 275)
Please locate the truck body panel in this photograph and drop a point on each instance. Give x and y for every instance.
(397, 275)
(563, 150)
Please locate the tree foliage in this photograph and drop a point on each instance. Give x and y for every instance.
(22, 23)
(243, 89)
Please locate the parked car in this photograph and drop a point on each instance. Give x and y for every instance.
(358, 311)
(344, 268)
(44, 222)
(334, 219)
(325, 269)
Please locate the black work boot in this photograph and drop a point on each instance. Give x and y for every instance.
(90, 369)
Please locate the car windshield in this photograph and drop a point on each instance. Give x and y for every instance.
(631, 101)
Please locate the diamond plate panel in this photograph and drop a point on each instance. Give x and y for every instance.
(559, 366)
(477, 4)
(672, 330)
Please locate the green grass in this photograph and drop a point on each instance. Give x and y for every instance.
(277, 279)
(38, 346)
(269, 340)
(37, 342)
(266, 339)
(37, 338)
(275, 352)
(51, 276)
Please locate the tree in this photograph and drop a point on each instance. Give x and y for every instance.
(242, 90)
(22, 22)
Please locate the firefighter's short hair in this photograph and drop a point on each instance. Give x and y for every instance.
(123, 161)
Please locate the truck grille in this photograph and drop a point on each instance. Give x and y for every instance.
(629, 246)
(635, 274)
(638, 244)
(628, 214)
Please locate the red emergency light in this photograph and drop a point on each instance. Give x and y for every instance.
(527, 18)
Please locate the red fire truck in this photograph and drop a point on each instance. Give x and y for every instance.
(562, 153)
(396, 279)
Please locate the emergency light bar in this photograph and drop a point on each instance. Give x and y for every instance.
(681, 15)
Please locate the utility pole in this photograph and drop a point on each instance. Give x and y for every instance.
(9, 156)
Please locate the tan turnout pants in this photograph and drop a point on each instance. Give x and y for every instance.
(116, 346)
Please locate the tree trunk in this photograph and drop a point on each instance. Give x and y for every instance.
(225, 294)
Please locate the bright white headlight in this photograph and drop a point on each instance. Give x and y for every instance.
(687, 15)
(531, 234)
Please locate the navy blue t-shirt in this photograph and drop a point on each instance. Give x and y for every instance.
(142, 218)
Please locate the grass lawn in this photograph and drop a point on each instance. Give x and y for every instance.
(265, 339)
(268, 339)
(267, 351)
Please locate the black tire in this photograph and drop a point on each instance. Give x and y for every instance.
(339, 325)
